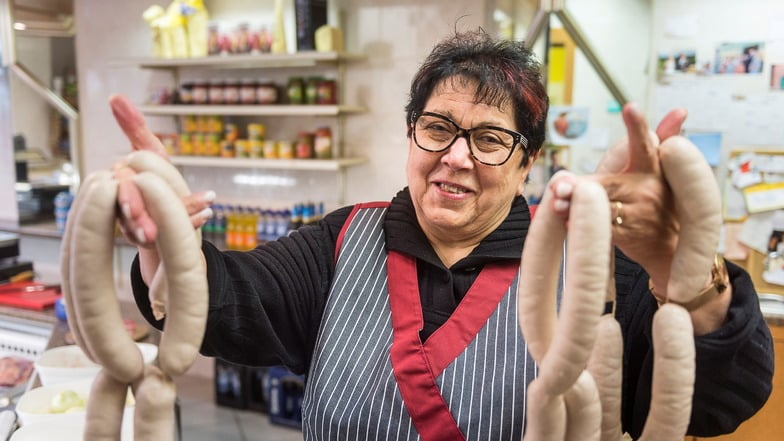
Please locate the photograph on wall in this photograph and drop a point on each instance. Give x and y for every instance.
(777, 76)
(566, 124)
(683, 61)
(739, 58)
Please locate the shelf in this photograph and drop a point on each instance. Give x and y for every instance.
(251, 110)
(246, 61)
(281, 164)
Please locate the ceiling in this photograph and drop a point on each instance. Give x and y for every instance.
(52, 18)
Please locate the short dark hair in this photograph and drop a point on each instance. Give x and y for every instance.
(502, 70)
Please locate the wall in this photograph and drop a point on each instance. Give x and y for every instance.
(742, 106)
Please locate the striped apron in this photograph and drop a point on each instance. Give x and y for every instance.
(371, 378)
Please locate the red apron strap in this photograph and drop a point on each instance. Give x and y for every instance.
(479, 303)
(421, 395)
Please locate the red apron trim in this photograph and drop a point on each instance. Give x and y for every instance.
(416, 366)
(451, 339)
(344, 228)
(420, 393)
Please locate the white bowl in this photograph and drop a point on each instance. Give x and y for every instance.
(35, 406)
(70, 363)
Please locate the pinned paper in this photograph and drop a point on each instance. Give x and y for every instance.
(764, 197)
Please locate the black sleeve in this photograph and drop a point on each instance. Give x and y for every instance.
(265, 305)
(734, 364)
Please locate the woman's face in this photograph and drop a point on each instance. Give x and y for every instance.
(455, 197)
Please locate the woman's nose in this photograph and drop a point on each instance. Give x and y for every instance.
(458, 155)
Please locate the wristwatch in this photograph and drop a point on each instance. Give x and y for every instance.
(718, 285)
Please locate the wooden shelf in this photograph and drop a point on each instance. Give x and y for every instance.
(245, 61)
(251, 110)
(280, 164)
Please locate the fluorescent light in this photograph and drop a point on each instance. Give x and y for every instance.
(19, 26)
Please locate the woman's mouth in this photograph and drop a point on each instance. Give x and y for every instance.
(452, 189)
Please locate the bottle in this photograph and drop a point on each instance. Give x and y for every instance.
(208, 229)
(249, 224)
(219, 225)
(260, 225)
(231, 227)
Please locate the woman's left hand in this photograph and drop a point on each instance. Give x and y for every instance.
(645, 225)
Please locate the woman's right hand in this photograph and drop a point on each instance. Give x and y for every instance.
(134, 221)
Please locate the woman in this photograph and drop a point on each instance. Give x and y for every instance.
(403, 314)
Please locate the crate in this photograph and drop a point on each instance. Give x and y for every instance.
(231, 384)
(286, 391)
(258, 389)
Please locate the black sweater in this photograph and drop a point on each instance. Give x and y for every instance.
(266, 305)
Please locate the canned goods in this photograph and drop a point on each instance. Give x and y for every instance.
(256, 131)
(285, 150)
(242, 148)
(270, 149)
(256, 148)
(186, 144)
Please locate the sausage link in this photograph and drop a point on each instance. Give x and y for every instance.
(181, 257)
(690, 176)
(673, 375)
(74, 324)
(92, 277)
(566, 340)
(141, 161)
(583, 410)
(153, 418)
(606, 367)
(545, 414)
(105, 407)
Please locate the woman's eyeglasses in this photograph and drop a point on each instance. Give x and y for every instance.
(489, 145)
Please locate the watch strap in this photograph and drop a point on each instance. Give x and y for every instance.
(717, 286)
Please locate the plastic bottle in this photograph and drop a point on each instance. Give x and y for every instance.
(219, 226)
(249, 229)
(260, 225)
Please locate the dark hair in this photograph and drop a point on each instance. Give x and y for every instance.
(502, 69)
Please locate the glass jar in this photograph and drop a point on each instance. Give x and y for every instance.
(185, 93)
(266, 92)
(248, 91)
(295, 90)
(200, 92)
(311, 90)
(322, 143)
(304, 147)
(327, 92)
(231, 92)
(216, 92)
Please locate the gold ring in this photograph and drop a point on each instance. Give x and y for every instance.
(618, 218)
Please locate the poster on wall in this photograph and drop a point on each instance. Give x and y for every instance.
(567, 125)
(777, 77)
(739, 58)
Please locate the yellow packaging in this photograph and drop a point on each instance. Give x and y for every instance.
(196, 19)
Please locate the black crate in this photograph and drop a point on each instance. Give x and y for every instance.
(231, 384)
(286, 391)
(258, 389)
